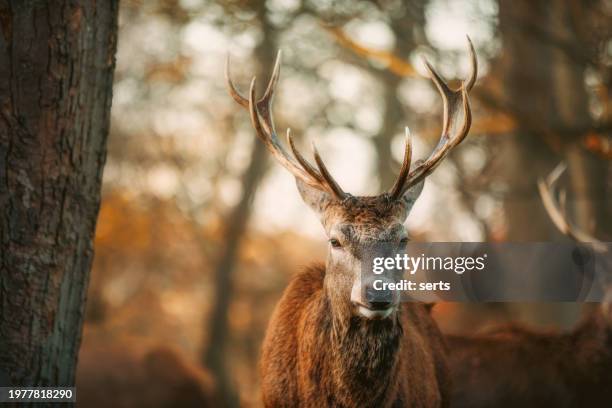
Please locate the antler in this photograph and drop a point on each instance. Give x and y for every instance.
(261, 117)
(452, 100)
(557, 210)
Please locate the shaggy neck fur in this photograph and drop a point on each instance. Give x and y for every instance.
(364, 355)
(316, 353)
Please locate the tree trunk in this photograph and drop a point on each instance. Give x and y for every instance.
(56, 71)
(407, 28)
(393, 116)
(545, 90)
(529, 94)
(218, 335)
(587, 173)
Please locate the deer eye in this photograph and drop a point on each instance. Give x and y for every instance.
(335, 243)
(404, 241)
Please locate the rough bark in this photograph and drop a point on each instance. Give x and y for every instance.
(56, 70)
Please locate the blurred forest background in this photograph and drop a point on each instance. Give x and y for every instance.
(199, 231)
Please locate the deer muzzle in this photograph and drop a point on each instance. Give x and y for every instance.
(372, 298)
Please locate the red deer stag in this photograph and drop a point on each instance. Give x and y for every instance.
(519, 367)
(329, 343)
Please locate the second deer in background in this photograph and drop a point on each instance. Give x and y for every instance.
(518, 367)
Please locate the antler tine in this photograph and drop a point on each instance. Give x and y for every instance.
(273, 145)
(445, 92)
(264, 104)
(445, 145)
(405, 170)
(329, 180)
(303, 162)
(452, 100)
(469, 84)
(269, 93)
(557, 211)
(260, 111)
(233, 91)
(547, 194)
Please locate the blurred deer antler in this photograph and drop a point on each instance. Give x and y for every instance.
(557, 209)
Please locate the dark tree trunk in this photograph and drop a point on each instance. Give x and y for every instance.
(529, 92)
(56, 71)
(546, 91)
(587, 172)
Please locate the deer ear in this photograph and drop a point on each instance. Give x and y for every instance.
(412, 194)
(316, 199)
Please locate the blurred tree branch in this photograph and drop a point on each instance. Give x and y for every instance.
(392, 62)
(502, 116)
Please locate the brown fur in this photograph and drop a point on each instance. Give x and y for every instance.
(517, 367)
(315, 355)
(375, 211)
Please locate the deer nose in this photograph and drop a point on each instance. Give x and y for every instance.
(373, 299)
(378, 299)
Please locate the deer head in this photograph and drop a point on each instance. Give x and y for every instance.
(359, 228)
(554, 201)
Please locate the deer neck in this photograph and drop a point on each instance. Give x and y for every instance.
(367, 353)
(363, 355)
